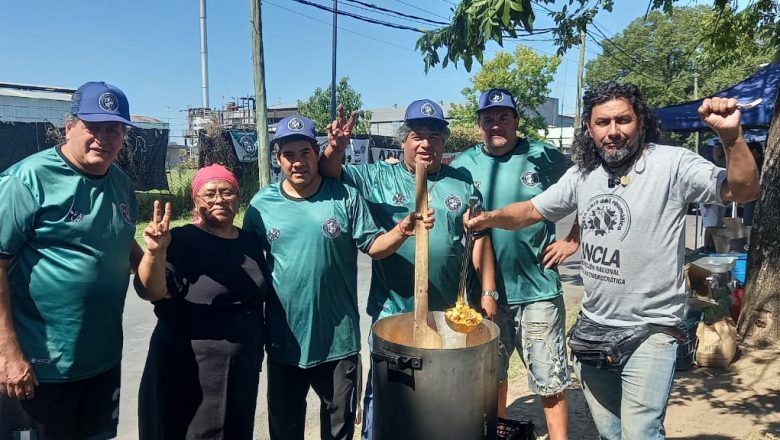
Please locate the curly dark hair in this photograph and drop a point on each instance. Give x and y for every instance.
(584, 150)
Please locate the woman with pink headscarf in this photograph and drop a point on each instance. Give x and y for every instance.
(207, 281)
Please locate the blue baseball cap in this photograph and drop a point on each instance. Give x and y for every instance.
(100, 102)
(295, 125)
(424, 109)
(496, 98)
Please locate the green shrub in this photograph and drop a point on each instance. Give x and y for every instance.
(462, 138)
(179, 195)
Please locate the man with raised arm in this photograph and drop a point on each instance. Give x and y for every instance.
(631, 197)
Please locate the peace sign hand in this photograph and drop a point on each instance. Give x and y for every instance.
(157, 234)
(340, 130)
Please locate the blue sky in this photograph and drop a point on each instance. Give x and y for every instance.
(152, 51)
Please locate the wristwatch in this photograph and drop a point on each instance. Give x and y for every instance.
(491, 293)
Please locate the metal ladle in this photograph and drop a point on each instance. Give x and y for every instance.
(464, 267)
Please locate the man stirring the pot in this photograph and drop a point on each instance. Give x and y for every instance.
(389, 190)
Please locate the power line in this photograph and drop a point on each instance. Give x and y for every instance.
(621, 50)
(340, 27)
(360, 17)
(620, 61)
(397, 13)
(421, 9)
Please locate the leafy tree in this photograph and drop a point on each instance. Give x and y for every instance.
(525, 74)
(474, 22)
(661, 53)
(462, 137)
(317, 106)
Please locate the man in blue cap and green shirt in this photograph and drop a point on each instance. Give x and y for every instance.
(531, 312)
(312, 228)
(389, 190)
(66, 245)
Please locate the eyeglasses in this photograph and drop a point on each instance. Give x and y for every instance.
(227, 195)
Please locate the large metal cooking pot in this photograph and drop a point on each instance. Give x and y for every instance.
(425, 394)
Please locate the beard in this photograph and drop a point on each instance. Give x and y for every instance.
(613, 158)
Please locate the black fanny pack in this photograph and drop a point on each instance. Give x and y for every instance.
(602, 345)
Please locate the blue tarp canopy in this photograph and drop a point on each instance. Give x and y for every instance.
(764, 84)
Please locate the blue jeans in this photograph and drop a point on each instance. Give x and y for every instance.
(629, 402)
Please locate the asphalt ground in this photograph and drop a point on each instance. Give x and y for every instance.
(139, 321)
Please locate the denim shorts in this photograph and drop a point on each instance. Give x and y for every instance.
(536, 330)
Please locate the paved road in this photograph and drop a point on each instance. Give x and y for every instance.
(139, 321)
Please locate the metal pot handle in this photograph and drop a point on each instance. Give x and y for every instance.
(398, 361)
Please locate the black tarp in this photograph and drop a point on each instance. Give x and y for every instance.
(21, 139)
(764, 85)
(142, 158)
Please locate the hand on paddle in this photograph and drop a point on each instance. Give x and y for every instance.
(407, 224)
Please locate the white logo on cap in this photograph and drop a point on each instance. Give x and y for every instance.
(427, 109)
(108, 102)
(295, 124)
(496, 96)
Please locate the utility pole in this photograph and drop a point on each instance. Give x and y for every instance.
(333, 62)
(261, 112)
(698, 147)
(204, 57)
(580, 69)
(695, 97)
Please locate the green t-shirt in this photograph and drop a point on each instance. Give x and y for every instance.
(312, 245)
(518, 176)
(68, 236)
(389, 191)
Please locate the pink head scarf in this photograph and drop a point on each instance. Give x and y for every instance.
(212, 172)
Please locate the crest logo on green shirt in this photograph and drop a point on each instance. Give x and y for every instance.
(530, 178)
(125, 210)
(75, 215)
(399, 199)
(273, 234)
(331, 228)
(453, 203)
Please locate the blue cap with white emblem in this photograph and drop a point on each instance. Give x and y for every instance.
(496, 98)
(100, 102)
(424, 109)
(295, 125)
